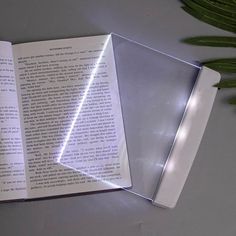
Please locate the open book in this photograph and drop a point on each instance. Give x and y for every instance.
(61, 128)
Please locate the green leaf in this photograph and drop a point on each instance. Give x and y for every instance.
(232, 101)
(209, 19)
(226, 83)
(213, 41)
(209, 13)
(226, 2)
(227, 65)
(218, 7)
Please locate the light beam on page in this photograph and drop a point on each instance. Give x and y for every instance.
(91, 79)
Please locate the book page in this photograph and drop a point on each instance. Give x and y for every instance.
(12, 175)
(71, 116)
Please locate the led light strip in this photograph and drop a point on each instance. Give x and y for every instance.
(187, 139)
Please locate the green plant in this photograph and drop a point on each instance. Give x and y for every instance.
(221, 14)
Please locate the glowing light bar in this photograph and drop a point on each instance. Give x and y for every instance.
(187, 139)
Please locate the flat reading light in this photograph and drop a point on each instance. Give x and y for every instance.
(121, 115)
(187, 139)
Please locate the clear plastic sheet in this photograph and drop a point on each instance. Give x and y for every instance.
(152, 92)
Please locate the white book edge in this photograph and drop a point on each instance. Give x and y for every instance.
(187, 140)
